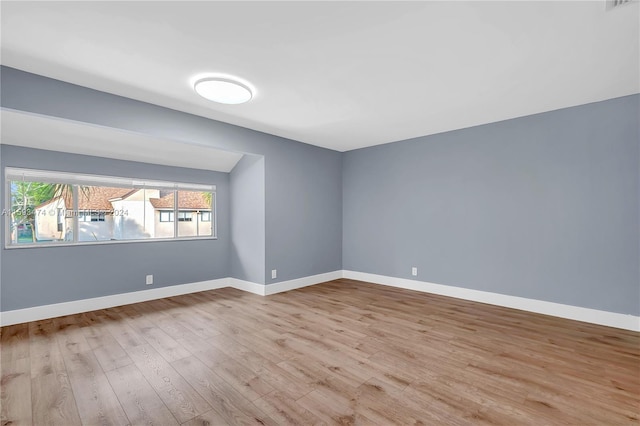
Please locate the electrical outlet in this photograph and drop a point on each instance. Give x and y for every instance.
(414, 271)
(149, 279)
(274, 274)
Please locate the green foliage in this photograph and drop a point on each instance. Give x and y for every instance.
(207, 196)
(26, 196)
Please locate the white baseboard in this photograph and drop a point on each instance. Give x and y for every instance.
(247, 286)
(266, 290)
(302, 282)
(85, 305)
(594, 316)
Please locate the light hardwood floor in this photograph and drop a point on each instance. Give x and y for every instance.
(343, 352)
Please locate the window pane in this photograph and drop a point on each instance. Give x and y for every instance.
(40, 212)
(162, 204)
(96, 214)
(191, 205)
(141, 218)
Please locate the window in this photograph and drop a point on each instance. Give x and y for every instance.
(48, 208)
(166, 216)
(184, 216)
(91, 216)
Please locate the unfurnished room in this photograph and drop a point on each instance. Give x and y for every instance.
(320, 213)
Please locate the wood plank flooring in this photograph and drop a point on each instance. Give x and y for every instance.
(343, 352)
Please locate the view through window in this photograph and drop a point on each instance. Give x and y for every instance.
(58, 208)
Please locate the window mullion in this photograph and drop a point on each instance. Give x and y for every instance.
(74, 213)
(175, 214)
(212, 216)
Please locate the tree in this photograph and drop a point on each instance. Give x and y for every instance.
(26, 196)
(207, 197)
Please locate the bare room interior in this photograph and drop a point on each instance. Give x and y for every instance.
(319, 213)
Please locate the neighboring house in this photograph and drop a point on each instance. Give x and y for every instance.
(194, 214)
(50, 221)
(123, 214)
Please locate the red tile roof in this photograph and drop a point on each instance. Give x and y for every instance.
(187, 200)
(97, 198)
(91, 198)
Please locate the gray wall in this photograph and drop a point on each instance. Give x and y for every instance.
(40, 276)
(248, 244)
(543, 207)
(303, 183)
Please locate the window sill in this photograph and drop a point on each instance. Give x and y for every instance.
(102, 243)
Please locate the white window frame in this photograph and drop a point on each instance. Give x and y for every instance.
(17, 174)
(171, 213)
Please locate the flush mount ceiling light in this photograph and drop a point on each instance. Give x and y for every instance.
(223, 90)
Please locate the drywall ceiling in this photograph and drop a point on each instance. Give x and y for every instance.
(341, 75)
(35, 131)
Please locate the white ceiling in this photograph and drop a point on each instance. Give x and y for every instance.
(341, 75)
(35, 131)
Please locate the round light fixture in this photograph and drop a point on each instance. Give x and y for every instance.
(223, 90)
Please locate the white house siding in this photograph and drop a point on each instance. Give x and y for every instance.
(163, 229)
(96, 231)
(185, 229)
(149, 217)
(46, 222)
(194, 228)
(131, 220)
